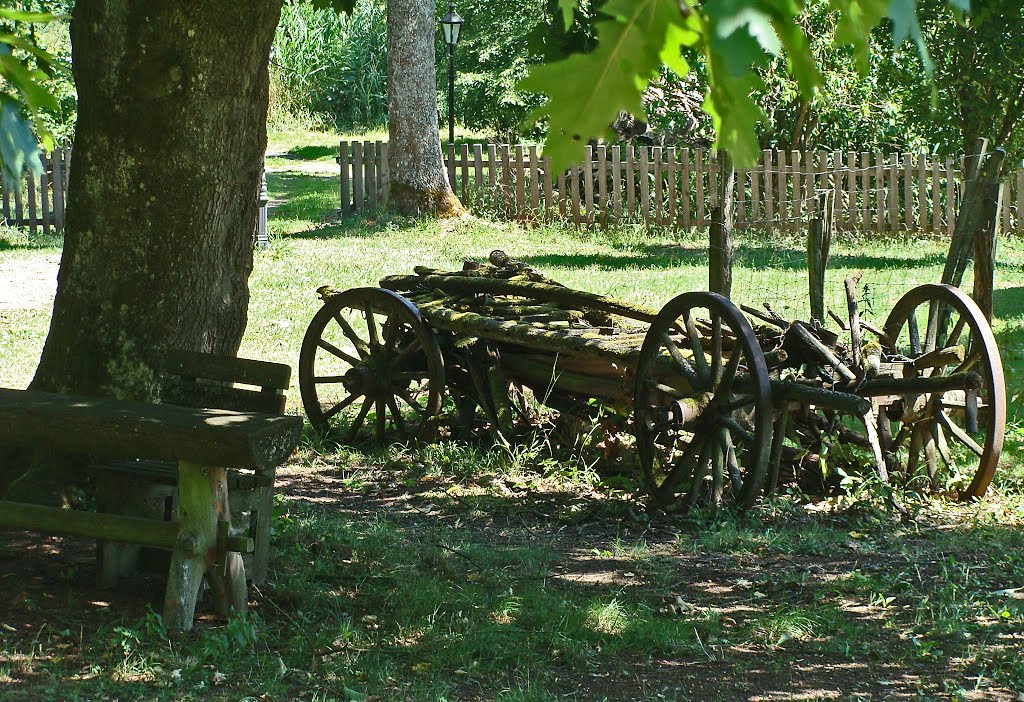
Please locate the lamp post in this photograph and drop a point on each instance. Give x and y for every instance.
(451, 26)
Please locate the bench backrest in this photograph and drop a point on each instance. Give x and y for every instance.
(193, 379)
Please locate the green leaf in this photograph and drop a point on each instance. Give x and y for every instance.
(18, 149)
(568, 8)
(735, 113)
(962, 5)
(903, 14)
(857, 19)
(27, 82)
(22, 16)
(587, 91)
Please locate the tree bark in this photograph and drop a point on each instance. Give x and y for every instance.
(418, 182)
(162, 200)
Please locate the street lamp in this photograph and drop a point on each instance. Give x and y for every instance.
(451, 26)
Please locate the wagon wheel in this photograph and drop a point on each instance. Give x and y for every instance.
(368, 360)
(960, 431)
(703, 409)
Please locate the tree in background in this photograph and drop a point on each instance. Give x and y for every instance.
(162, 201)
(417, 181)
(735, 39)
(978, 88)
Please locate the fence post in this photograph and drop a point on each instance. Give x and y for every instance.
(819, 241)
(991, 196)
(720, 232)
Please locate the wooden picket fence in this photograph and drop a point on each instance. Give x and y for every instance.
(678, 187)
(39, 203)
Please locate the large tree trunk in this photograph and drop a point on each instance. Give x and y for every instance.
(172, 103)
(418, 183)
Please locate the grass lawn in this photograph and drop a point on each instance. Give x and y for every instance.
(460, 572)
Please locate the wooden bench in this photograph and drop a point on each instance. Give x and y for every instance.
(203, 442)
(149, 488)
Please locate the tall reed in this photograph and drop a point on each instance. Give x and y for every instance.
(330, 69)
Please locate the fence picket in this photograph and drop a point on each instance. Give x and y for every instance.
(630, 183)
(370, 156)
(602, 182)
(588, 185)
(32, 224)
(534, 181)
(520, 176)
(698, 170)
(464, 167)
(685, 214)
(549, 203)
(478, 168)
(617, 182)
(671, 164)
(44, 199)
(645, 185)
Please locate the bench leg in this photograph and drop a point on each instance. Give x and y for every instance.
(202, 502)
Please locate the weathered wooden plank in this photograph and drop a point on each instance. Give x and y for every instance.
(908, 192)
(936, 204)
(894, 192)
(478, 169)
(602, 180)
(450, 164)
(657, 157)
(44, 198)
(645, 184)
(370, 156)
(492, 168)
(950, 196)
(880, 192)
(671, 167)
(796, 162)
(534, 177)
(549, 203)
(358, 197)
(700, 173)
(922, 192)
(344, 161)
(713, 181)
(520, 176)
(588, 184)
(768, 158)
(88, 525)
(630, 182)
(754, 214)
(563, 194)
(865, 189)
(464, 164)
(574, 193)
(506, 181)
(617, 182)
(851, 191)
(782, 202)
(686, 218)
(33, 224)
(122, 429)
(383, 176)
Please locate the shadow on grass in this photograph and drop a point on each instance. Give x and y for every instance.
(310, 153)
(748, 255)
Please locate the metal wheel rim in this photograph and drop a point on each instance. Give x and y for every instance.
(386, 397)
(756, 385)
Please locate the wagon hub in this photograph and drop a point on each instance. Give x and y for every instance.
(361, 380)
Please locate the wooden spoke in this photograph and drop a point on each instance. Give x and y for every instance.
(678, 469)
(357, 423)
(328, 379)
(940, 444)
(728, 376)
(701, 363)
(738, 402)
(959, 434)
(352, 336)
(406, 377)
(936, 318)
(734, 428)
(716, 348)
(914, 334)
(371, 327)
(668, 390)
(396, 414)
(681, 360)
(914, 454)
(411, 401)
(340, 406)
(718, 452)
(381, 418)
(731, 464)
(335, 351)
(954, 336)
(700, 474)
(969, 362)
(406, 353)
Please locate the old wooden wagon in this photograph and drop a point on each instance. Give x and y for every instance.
(718, 406)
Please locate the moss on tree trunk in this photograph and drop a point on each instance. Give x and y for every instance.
(162, 200)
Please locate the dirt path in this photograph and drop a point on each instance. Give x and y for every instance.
(28, 283)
